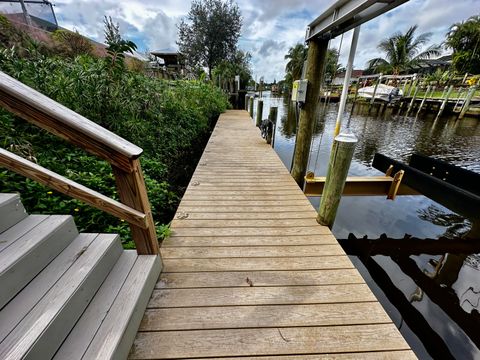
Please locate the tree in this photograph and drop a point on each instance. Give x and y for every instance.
(116, 45)
(403, 52)
(297, 55)
(239, 65)
(464, 39)
(209, 34)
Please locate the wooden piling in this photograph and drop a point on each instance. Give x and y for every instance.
(412, 102)
(375, 89)
(272, 116)
(423, 100)
(444, 102)
(340, 159)
(316, 60)
(250, 106)
(259, 112)
(247, 101)
(466, 103)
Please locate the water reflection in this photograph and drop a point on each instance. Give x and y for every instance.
(433, 298)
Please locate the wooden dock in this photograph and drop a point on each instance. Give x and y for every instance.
(249, 273)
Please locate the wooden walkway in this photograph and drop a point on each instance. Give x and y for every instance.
(249, 273)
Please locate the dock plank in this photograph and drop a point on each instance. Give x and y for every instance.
(249, 273)
(267, 341)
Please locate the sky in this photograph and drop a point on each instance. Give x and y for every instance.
(270, 27)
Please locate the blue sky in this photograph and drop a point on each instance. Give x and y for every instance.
(270, 27)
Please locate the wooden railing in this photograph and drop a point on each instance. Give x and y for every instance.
(123, 156)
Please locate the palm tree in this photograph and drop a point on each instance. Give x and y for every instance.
(403, 52)
(296, 56)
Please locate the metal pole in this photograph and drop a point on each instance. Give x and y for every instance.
(346, 81)
(27, 17)
(340, 159)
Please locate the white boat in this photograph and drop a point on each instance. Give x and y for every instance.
(383, 92)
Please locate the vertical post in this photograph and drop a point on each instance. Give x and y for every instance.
(247, 101)
(251, 106)
(444, 103)
(132, 192)
(340, 159)
(259, 112)
(413, 87)
(26, 15)
(466, 104)
(375, 89)
(412, 102)
(316, 60)
(272, 117)
(346, 80)
(423, 100)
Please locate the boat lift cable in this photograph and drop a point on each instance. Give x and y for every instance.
(316, 117)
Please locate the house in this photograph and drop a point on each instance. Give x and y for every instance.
(339, 78)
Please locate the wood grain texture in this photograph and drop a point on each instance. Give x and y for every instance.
(249, 273)
(250, 252)
(178, 241)
(261, 296)
(379, 355)
(245, 264)
(132, 192)
(258, 278)
(197, 318)
(71, 188)
(44, 112)
(248, 342)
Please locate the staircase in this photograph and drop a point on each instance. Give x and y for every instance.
(65, 295)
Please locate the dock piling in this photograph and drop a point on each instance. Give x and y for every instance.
(379, 80)
(272, 117)
(247, 101)
(412, 102)
(316, 60)
(340, 159)
(251, 106)
(259, 112)
(423, 100)
(444, 102)
(466, 103)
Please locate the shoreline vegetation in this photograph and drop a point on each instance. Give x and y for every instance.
(170, 120)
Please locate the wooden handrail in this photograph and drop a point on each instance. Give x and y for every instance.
(76, 129)
(46, 113)
(71, 188)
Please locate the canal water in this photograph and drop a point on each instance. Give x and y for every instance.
(440, 318)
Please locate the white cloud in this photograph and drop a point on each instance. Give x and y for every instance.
(270, 27)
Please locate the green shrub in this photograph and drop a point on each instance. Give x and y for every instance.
(170, 120)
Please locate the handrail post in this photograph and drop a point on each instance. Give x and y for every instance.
(132, 192)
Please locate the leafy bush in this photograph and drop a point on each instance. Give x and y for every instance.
(170, 120)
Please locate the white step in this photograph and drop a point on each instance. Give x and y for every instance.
(41, 332)
(108, 327)
(25, 254)
(31, 294)
(11, 211)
